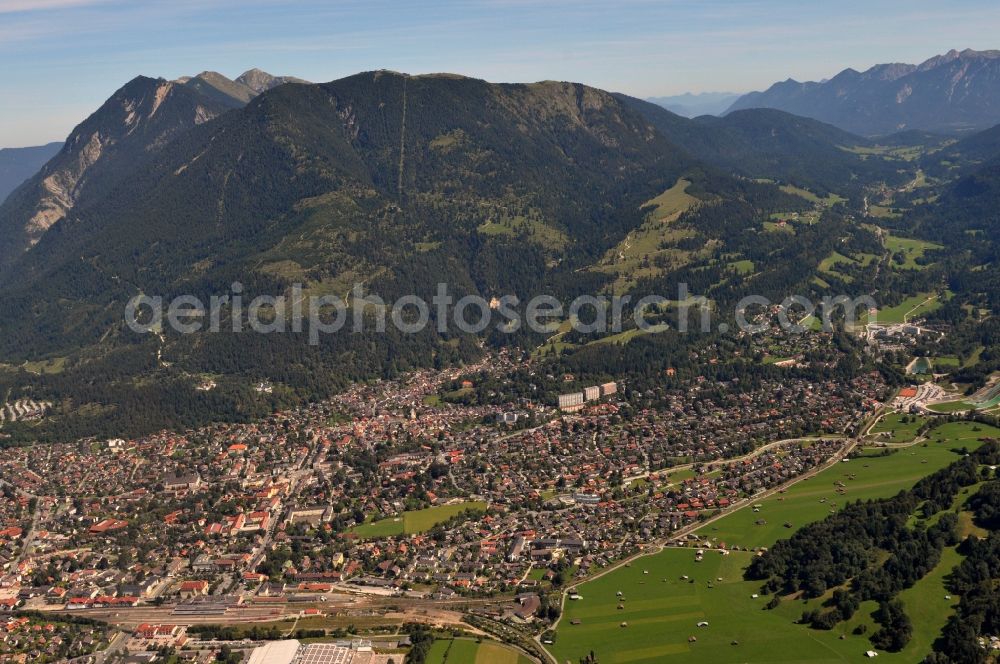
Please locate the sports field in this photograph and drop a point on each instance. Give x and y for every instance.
(662, 609)
(417, 521)
(467, 651)
(951, 406)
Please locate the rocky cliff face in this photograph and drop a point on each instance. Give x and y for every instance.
(135, 123)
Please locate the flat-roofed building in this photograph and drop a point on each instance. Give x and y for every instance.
(275, 652)
(572, 401)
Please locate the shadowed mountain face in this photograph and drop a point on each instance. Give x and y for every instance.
(19, 164)
(975, 149)
(951, 92)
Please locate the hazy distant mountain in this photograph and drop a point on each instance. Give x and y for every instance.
(19, 164)
(951, 92)
(692, 105)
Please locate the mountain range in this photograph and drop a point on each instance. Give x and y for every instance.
(396, 181)
(145, 115)
(957, 91)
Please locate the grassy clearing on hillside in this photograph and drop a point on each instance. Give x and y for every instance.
(742, 267)
(623, 338)
(911, 249)
(829, 265)
(778, 227)
(633, 257)
(535, 230)
(50, 366)
(662, 609)
(831, 199)
(672, 202)
(418, 521)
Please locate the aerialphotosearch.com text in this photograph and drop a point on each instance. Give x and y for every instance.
(317, 315)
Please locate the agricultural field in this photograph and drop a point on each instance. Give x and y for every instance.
(902, 153)
(662, 609)
(467, 651)
(418, 521)
(883, 212)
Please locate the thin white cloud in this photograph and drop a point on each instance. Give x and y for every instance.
(17, 6)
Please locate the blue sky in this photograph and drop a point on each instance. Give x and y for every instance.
(62, 58)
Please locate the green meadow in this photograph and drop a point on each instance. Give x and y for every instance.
(417, 521)
(661, 609)
(898, 430)
(911, 307)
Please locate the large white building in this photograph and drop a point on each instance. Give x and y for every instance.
(276, 652)
(291, 651)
